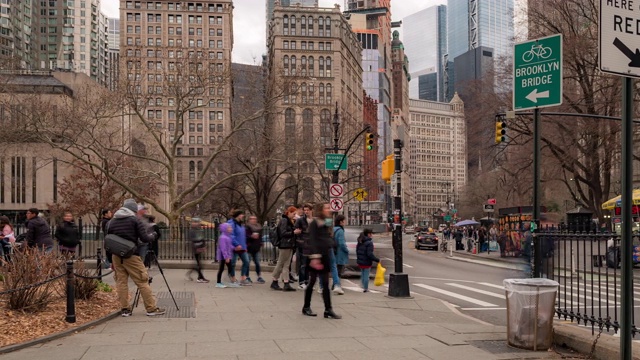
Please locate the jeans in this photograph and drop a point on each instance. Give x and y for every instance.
(302, 261)
(364, 278)
(334, 270)
(256, 260)
(244, 257)
(143, 249)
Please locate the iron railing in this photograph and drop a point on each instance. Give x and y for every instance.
(586, 265)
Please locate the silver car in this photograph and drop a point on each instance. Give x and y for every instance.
(382, 250)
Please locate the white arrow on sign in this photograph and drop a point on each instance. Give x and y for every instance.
(535, 95)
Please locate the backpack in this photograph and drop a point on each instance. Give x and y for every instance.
(274, 235)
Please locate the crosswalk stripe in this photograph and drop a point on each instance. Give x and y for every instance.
(357, 289)
(502, 288)
(455, 295)
(488, 293)
(403, 263)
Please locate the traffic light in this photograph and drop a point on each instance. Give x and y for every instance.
(368, 141)
(388, 168)
(501, 131)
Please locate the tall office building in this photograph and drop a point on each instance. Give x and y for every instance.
(113, 33)
(472, 24)
(425, 41)
(371, 21)
(313, 53)
(161, 41)
(57, 35)
(438, 157)
(113, 52)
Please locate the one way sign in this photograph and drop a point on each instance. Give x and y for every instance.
(620, 37)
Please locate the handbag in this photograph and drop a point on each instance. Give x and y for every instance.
(119, 246)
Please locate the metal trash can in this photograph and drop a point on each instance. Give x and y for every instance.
(530, 312)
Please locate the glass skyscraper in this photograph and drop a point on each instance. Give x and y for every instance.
(425, 43)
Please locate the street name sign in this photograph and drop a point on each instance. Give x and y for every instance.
(619, 29)
(488, 208)
(333, 161)
(537, 73)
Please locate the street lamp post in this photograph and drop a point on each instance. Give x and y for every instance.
(398, 281)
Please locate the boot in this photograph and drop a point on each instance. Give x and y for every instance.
(275, 286)
(329, 314)
(288, 287)
(308, 312)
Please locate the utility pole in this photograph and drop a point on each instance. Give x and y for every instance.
(398, 281)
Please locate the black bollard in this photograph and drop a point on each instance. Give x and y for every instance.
(71, 295)
(99, 261)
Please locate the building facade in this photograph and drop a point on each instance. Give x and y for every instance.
(400, 126)
(316, 58)
(271, 4)
(471, 24)
(160, 42)
(56, 35)
(438, 158)
(426, 52)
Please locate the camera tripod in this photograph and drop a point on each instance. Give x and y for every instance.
(136, 297)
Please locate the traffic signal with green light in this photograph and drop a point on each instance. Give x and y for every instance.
(369, 141)
(501, 131)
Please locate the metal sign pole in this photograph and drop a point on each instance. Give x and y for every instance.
(537, 258)
(626, 303)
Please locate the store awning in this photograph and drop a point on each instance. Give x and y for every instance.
(617, 201)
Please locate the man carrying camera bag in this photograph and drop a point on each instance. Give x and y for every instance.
(127, 227)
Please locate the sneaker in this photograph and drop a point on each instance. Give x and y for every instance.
(293, 277)
(249, 280)
(302, 286)
(245, 283)
(220, 286)
(365, 290)
(202, 281)
(338, 290)
(260, 280)
(125, 312)
(156, 311)
(233, 285)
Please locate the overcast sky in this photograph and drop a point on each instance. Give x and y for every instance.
(249, 24)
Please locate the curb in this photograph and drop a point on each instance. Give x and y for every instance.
(70, 331)
(581, 341)
(172, 264)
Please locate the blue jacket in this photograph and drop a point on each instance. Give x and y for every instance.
(342, 251)
(364, 251)
(239, 235)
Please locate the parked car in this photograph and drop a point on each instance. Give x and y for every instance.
(426, 240)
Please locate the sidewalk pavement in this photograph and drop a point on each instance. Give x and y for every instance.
(256, 322)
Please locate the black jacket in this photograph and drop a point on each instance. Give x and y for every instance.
(364, 252)
(321, 243)
(285, 233)
(67, 234)
(38, 233)
(103, 224)
(253, 245)
(302, 223)
(126, 225)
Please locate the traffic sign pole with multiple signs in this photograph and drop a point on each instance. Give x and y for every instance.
(537, 82)
(619, 30)
(336, 191)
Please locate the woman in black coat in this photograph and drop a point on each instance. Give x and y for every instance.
(320, 244)
(67, 235)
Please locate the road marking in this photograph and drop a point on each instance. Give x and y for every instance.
(385, 285)
(358, 289)
(455, 295)
(403, 264)
(479, 309)
(488, 293)
(492, 285)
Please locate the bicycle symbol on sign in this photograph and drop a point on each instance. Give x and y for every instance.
(536, 51)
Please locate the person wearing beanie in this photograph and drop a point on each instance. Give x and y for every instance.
(126, 225)
(239, 241)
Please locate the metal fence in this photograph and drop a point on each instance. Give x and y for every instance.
(174, 243)
(586, 265)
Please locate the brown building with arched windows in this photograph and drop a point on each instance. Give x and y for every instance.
(314, 60)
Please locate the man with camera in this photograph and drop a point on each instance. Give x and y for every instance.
(125, 225)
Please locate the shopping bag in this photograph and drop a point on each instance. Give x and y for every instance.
(493, 246)
(379, 281)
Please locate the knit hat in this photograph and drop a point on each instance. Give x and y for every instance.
(131, 205)
(236, 213)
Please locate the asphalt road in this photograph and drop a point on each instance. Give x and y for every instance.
(476, 289)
